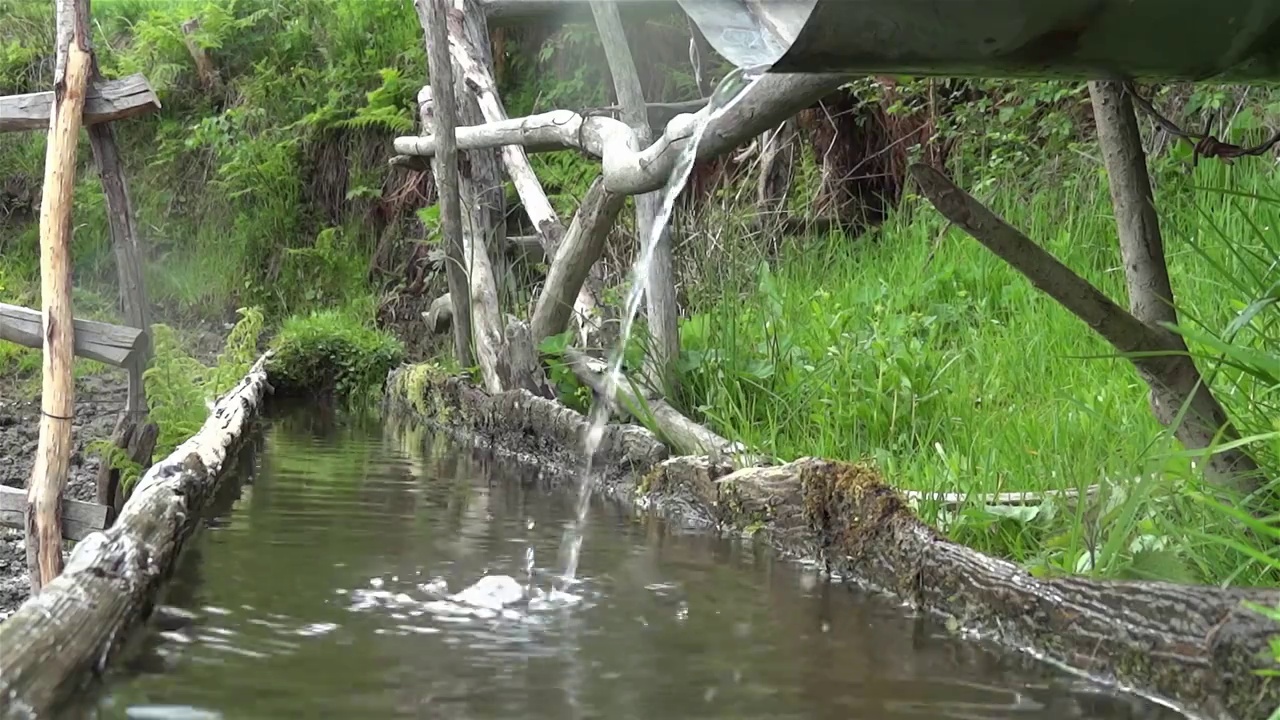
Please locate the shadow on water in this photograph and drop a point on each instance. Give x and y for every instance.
(316, 593)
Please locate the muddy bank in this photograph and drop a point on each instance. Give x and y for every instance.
(99, 400)
(1195, 647)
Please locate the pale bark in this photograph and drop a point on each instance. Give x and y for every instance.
(1177, 384)
(582, 247)
(64, 637)
(439, 110)
(57, 397)
(483, 217)
(471, 58)
(205, 70)
(1152, 350)
(660, 290)
(629, 170)
(107, 100)
(681, 433)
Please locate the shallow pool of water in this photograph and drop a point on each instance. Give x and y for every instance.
(324, 593)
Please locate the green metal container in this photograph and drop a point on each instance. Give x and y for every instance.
(1191, 40)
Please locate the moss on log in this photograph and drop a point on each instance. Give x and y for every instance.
(1195, 647)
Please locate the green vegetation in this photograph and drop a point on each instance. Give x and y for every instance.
(909, 345)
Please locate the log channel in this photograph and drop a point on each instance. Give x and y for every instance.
(62, 638)
(1194, 647)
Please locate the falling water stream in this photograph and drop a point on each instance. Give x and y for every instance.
(731, 89)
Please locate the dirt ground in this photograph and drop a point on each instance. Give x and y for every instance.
(99, 399)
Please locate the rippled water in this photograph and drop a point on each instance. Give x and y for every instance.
(325, 592)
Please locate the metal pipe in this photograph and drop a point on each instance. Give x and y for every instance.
(1173, 40)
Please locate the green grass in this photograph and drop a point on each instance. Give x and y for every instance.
(917, 348)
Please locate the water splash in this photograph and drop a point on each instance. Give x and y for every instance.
(732, 88)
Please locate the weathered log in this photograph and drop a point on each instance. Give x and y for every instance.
(111, 344)
(57, 394)
(59, 639)
(583, 245)
(523, 367)
(107, 101)
(79, 518)
(682, 434)
(1197, 646)
(438, 108)
(660, 288)
(628, 170)
(1177, 383)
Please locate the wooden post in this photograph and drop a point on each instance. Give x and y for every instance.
(440, 109)
(205, 70)
(57, 401)
(660, 295)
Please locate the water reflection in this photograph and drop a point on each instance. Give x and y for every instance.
(326, 592)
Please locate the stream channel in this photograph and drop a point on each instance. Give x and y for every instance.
(320, 593)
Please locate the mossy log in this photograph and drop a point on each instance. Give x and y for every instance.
(63, 636)
(1195, 647)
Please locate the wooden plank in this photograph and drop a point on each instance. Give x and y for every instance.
(111, 344)
(79, 518)
(108, 100)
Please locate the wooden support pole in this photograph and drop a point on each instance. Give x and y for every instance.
(57, 400)
(78, 518)
(439, 109)
(660, 294)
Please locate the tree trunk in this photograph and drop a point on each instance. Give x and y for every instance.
(57, 400)
(1175, 383)
(439, 110)
(660, 293)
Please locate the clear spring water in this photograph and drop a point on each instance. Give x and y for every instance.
(731, 89)
(330, 590)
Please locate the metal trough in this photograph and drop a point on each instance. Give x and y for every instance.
(1191, 40)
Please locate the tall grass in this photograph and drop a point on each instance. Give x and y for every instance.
(915, 347)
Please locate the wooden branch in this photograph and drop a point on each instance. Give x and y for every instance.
(628, 170)
(107, 101)
(111, 344)
(684, 435)
(1157, 353)
(438, 107)
(64, 637)
(57, 394)
(1112, 322)
(660, 289)
(78, 518)
(581, 249)
(1177, 382)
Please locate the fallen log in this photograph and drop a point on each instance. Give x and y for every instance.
(60, 638)
(1195, 647)
(114, 345)
(107, 101)
(628, 169)
(79, 518)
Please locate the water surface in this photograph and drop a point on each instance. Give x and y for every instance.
(317, 596)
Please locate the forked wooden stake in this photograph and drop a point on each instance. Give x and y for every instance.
(57, 400)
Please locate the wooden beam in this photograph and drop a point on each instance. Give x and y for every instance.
(78, 518)
(104, 342)
(108, 100)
